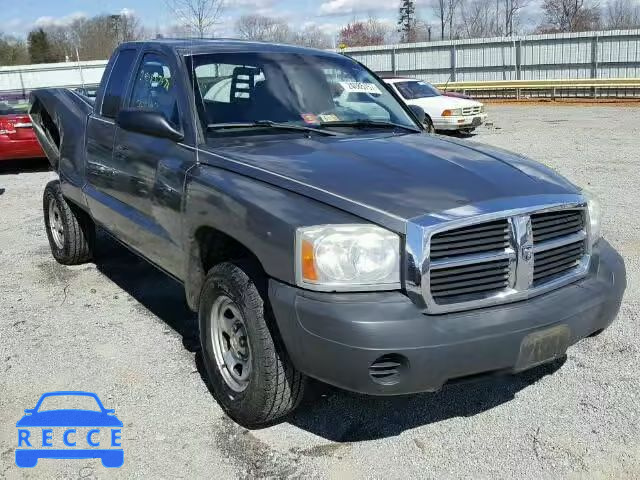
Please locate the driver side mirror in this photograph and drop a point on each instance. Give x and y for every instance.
(148, 122)
(418, 112)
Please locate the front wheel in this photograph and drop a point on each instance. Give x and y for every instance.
(250, 373)
(70, 231)
(428, 125)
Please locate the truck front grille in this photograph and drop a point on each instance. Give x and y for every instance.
(548, 228)
(471, 240)
(505, 256)
(475, 279)
(550, 225)
(557, 261)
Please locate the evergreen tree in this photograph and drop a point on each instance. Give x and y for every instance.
(407, 20)
(40, 48)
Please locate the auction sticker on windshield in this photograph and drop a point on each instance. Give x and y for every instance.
(309, 118)
(360, 87)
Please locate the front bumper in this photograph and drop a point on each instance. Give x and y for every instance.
(460, 122)
(335, 337)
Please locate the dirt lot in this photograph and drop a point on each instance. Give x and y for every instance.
(121, 329)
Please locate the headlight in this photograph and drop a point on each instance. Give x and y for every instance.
(595, 217)
(455, 112)
(347, 257)
(481, 108)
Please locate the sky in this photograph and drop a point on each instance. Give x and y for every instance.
(21, 16)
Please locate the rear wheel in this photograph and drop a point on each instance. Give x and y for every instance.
(250, 373)
(70, 231)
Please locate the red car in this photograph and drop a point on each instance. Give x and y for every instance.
(17, 138)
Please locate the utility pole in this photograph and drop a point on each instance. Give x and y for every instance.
(115, 23)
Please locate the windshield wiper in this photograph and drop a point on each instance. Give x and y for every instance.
(365, 123)
(268, 124)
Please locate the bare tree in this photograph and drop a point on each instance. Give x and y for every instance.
(13, 51)
(313, 37)
(511, 10)
(570, 16)
(445, 11)
(478, 19)
(92, 38)
(358, 34)
(198, 16)
(263, 28)
(130, 28)
(270, 29)
(621, 14)
(421, 31)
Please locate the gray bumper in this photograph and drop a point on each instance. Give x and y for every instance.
(336, 337)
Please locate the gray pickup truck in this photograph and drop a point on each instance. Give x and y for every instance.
(316, 238)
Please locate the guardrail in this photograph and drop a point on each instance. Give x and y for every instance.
(526, 89)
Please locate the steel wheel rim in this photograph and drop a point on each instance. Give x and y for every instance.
(56, 226)
(231, 347)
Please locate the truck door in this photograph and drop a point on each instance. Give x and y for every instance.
(151, 170)
(101, 129)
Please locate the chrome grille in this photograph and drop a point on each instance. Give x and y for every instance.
(557, 261)
(550, 225)
(503, 258)
(471, 110)
(471, 240)
(476, 279)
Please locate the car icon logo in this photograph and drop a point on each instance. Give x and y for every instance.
(69, 432)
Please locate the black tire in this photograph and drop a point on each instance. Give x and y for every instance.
(74, 246)
(428, 125)
(274, 387)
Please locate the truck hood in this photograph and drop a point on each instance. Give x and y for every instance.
(389, 179)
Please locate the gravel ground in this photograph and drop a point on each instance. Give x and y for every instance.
(121, 329)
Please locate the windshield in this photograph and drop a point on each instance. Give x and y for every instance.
(291, 88)
(414, 90)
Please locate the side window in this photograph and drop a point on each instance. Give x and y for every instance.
(154, 88)
(117, 83)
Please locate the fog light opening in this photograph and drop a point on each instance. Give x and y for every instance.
(388, 369)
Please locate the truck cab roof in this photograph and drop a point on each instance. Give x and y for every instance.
(211, 45)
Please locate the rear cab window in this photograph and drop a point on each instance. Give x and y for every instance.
(117, 83)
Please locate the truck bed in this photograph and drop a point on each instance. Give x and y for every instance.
(59, 118)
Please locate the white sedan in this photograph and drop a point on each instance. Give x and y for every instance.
(443, 112)
(363, 103)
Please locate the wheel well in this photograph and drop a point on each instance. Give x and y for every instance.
(40, 115)
(216, 247)
(211, 247)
